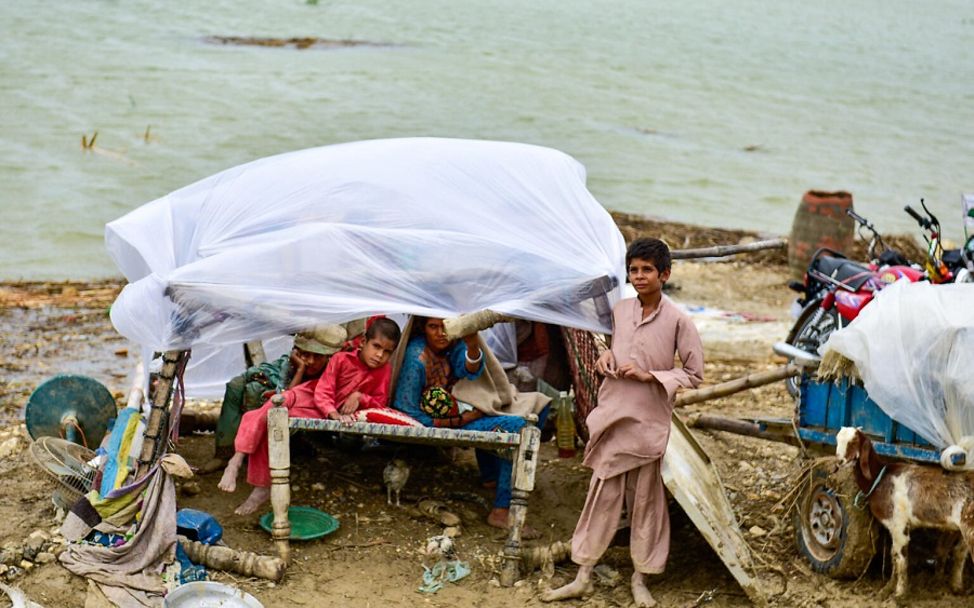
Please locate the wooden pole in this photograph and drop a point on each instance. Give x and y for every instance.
(160, 392)
(738, 384)
(739, 427)
(254, 353)
(231, 560)
(725, 250)
(525, 467)
(279, 452)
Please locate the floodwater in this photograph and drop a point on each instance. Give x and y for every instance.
(720, 114)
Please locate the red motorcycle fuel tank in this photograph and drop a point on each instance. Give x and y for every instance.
(892, 274)
(849, 304)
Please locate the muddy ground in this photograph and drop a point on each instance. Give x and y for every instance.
(375, 558)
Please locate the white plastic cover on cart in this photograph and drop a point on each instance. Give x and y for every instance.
(914, 348)
(428, 226)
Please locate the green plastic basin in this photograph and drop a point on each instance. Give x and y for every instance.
(307, 523)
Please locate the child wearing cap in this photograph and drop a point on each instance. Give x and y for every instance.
(251, 439)
(249, 390)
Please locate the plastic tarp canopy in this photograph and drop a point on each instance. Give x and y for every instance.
(436, 227)
(914, 348)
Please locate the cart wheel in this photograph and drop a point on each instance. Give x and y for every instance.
(836, 537)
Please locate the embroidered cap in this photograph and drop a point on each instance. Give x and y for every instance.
(322, 339)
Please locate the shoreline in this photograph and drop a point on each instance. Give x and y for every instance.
(31, 293)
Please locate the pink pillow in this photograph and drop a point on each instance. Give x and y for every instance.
(386, 416)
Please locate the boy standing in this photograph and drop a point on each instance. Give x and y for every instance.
(630, 427)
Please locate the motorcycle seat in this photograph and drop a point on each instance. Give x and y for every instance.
(852, 274)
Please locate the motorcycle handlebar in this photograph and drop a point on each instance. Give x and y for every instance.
(859, 219)
(924, 222)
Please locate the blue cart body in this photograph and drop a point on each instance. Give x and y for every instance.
(825, 407)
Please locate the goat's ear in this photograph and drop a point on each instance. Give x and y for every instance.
(865, 450)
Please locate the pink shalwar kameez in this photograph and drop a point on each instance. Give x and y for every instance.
(628, 432)
(317, 398)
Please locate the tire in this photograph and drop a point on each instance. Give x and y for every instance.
(812, 328)
(836, 537)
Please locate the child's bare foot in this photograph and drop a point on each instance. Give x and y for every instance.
(580, 587)
(641, 596)
(499, 518)
(257, 497)
(228, 483)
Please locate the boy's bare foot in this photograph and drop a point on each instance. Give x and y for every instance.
(228, 483)
(641, 596)
(499, 518)
(212, 465)
(257, 498)
(580, 587)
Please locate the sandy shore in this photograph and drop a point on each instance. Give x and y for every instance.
(375, 558)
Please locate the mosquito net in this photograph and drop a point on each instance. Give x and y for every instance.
(437, 227)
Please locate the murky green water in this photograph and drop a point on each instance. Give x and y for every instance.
(661, 101)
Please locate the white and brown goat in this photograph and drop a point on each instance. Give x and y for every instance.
(904, 496)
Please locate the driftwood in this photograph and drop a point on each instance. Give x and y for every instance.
(725, 250)
(738, 384)
(231, 560)
(533, 558)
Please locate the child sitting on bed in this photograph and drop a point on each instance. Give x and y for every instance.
(354, 385)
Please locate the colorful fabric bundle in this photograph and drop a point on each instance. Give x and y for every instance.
(437, 402)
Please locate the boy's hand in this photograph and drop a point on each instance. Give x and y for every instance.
(347, 419)
(629, 371)
(606, 364)
(351, 403)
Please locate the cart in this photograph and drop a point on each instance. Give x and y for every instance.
(836, 535)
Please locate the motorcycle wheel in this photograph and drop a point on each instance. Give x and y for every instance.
(812, 328)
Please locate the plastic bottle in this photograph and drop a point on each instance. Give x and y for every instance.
(565, 425)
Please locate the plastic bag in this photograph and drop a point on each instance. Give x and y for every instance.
(914, 348)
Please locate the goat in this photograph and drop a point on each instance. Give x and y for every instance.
(904, 496)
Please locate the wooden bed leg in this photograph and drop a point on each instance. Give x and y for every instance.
(279, 452)
(525, 467)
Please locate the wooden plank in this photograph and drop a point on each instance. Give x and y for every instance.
(693, 481)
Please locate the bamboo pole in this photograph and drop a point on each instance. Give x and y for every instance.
(725, 250)
(232, 560)
(738, 384)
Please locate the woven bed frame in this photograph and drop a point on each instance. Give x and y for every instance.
(583, 348)
(526, 445)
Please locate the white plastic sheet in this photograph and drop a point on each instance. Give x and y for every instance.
(423, 226)
(914, 348)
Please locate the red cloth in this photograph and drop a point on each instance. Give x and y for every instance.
(346, 374)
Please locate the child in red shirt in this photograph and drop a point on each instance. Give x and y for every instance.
(357, 381)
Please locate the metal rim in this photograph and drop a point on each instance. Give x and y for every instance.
(822, 523)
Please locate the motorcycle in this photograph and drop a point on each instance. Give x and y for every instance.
(835, 289)
(943, 265)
